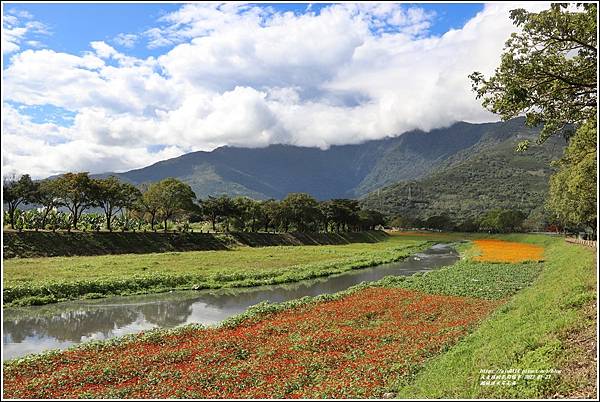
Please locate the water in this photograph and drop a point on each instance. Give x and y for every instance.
(58, 326)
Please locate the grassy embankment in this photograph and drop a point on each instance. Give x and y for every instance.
(32, 244)
(45, 280)
(530, 332)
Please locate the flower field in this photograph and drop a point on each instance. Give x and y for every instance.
(356, 345)
(506, 251)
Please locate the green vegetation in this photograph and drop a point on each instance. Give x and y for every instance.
(525, 333)
(543, 301)
(170, 201)
(29, 244)
(549, 72)
(573, 188)
(471, 279)
(15, 193)
(47, 280)
(488, 176)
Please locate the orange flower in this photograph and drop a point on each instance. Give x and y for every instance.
(355, 346)
(507, 251)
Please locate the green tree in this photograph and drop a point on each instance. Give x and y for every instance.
(242, 213)
(75, 192)
(150, 203)
(218, 209)
(17, 192)
(573, 188)
(271, 212)
(468, 225)
(369, 219)
(502, 220)
(174, 197)
(439, 222)
(343, 213)
(300, 210)
(547, 70)
(46, 195)
(510, 220)
(113, 196)
(402, 222)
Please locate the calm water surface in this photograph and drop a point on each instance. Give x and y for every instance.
(39, 328)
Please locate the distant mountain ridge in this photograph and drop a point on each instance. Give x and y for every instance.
(348, 171)
(488, 175)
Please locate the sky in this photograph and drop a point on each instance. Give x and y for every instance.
(112, 87)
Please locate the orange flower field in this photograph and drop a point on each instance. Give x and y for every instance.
(356, 346)
(507, 251)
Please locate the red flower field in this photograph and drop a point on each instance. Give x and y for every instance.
(356, 346)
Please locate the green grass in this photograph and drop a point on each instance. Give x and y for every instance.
(523, 334)
(47, 280)
(471, 279)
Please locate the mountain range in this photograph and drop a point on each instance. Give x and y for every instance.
(468, 165)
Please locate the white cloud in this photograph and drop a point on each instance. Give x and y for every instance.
(127, 40)
(247, 76)
(16, 26)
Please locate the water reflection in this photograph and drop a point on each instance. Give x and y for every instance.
(36, 329)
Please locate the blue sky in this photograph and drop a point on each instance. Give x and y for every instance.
(114, 86)
(74, 26)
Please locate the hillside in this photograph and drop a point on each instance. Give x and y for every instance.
(491, 174)
(340, 171)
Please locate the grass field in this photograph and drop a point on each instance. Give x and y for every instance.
(45, 280)
(425, 336)
(527, 333)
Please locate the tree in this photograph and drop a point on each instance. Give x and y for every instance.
(510, 220)
(369, 219)
(439, 222)
(343, 212)
(403, 222)
(301, 210)
(17, 192)
(489, 221)
(242, 213)
(572, 196)
(75, 192)
(150, 202)
(547, 70)
(217, 209)
(174, 197)
(271, 211)
(468, 226)
(46, 195)
(113, 196)
(502, 220)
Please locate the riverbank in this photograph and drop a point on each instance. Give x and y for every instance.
(425, 336)
(36, 281)
(32, 244)
(356, 343)
(535, 330)
(36, 329)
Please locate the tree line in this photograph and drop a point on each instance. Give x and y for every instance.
(62, 201)
(496, 221)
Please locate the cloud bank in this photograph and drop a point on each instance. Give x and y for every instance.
(247, 76)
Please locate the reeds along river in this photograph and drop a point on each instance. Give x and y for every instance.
(41, 328)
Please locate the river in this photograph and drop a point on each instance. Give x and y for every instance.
(58, 326)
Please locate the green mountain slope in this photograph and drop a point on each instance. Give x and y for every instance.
(490, 174)
(348, 171)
